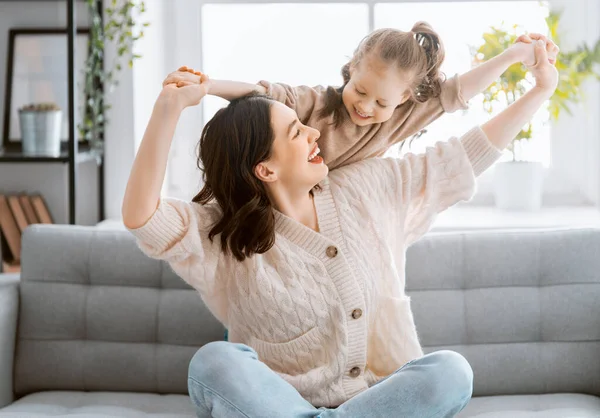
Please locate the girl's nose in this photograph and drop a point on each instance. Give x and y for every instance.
(365, 108)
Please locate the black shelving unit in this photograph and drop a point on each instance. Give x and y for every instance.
(74, 153)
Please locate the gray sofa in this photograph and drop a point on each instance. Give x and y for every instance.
(93, 328)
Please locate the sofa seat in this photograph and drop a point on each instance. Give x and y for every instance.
(556, 405)
(119, 404)
(100, 404)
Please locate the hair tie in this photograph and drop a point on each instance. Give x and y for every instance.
(419, 37)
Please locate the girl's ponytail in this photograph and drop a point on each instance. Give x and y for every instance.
(431, 44)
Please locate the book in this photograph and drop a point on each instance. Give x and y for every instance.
(10, 231)
(28, 209)
(41, 210)
(18, 213)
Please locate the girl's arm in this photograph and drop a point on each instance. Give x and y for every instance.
(503, 128)
(479, 78)
(225, 89)
(302, 99)
(230, 90)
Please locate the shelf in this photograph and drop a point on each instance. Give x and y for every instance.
(19, 157)
(11, 153)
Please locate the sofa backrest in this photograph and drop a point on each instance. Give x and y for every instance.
(97, 314)
(523, 307)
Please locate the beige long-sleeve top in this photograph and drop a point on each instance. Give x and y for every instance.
(349, 143)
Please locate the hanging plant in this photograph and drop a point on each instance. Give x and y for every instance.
(120, 26)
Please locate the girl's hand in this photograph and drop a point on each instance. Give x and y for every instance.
(184, 74)
(524, 45)
(545, 73)
(184, 88)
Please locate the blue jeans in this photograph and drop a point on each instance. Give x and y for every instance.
(227, 380)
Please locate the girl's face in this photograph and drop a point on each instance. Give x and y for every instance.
(294, 163)
(375, 89)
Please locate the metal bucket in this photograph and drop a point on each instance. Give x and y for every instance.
(40, 132)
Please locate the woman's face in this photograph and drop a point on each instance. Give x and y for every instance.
(294, 163)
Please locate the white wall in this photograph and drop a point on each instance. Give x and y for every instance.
(133, 100)
(119, 149)
(50, 180)
(186, 50)
(576, 137)
(156, 48)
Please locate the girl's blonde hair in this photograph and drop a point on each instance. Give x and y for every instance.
(419, 52)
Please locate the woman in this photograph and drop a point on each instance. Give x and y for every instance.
(306, 270)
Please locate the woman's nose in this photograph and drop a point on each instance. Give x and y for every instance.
(314, 135)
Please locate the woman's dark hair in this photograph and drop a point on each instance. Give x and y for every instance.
(419, 53)
(233, 142)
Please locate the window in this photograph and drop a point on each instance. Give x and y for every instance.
(291, 43)
(300, 43)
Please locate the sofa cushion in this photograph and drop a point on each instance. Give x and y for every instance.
(560, 405)
(521, 306)
(96, 314)
(100, 404)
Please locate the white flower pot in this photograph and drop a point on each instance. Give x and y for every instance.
(518, 185)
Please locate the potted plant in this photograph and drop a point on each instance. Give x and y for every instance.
(518, 184)
(40, 125)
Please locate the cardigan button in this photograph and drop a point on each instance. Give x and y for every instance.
(357, 313)
(355, 372)
(331, 251)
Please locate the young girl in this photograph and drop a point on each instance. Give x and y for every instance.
(391, 90)
(306, 269)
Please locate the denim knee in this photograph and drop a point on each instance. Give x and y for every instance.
(452, 378)
(217, 359)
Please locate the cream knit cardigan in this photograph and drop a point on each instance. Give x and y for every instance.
(326, 311)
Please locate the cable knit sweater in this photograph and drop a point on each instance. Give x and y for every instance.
(327, 311)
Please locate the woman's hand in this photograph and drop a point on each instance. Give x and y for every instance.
(184, 87)
(524, 48)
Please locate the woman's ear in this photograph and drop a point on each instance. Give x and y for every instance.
(264, 173)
